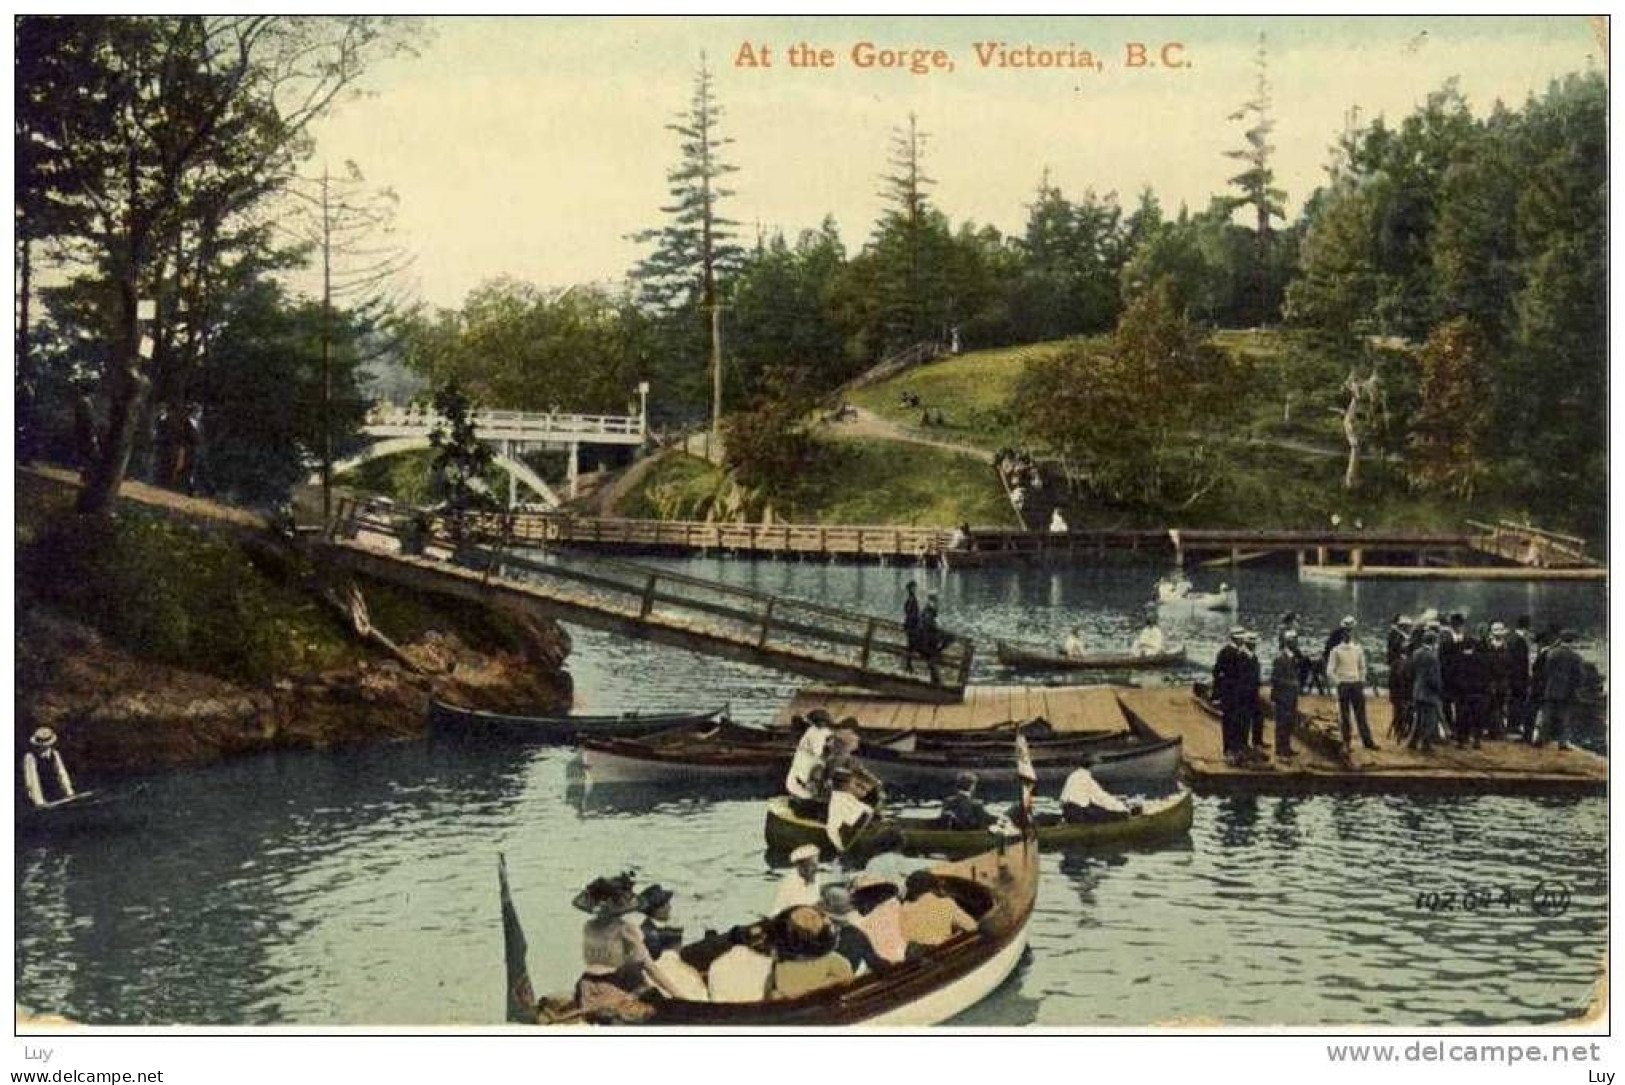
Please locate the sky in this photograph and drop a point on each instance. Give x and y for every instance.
(532, 147)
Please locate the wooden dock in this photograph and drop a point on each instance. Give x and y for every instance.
(789, 634)
(1501, 768)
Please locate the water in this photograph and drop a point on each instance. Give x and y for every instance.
(360, 887)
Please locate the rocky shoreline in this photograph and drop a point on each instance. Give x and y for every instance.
(118, 715)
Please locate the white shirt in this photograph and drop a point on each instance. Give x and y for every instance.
(740, 975)
(1150, 642)
(1082, 789)
(845, 809)
(1057, 522)
(1074, 646)
(795, 890)
(1346, 663)
(681, 978)
(809, 752)
(34, 786)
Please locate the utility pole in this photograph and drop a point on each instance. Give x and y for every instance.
(327, 354)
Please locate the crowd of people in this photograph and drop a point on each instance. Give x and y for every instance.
(1445, 682)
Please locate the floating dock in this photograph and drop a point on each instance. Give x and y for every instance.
(1499, 768)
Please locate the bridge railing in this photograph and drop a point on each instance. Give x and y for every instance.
(508, 425)
(764, 622)
(812, 539)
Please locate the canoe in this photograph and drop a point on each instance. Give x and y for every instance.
(1127, 759)
(454, 721)
(1158, 819)
(684, 757)
(997, 887)
(1200, 600)
(87, 810)
(1017, 657)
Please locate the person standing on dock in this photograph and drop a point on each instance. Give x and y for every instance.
(932, 638)
(1345, 666)
(1229, 678)
(1399, 676)
(1498, 650)
(1449, 652)
(1284, 686)
(911, 625)
(1519, 654)
(1253, 705)
(1472, 693)
(1565, 677)
(1427, 692)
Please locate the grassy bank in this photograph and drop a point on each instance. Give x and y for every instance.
(174, 592)
(852, 481)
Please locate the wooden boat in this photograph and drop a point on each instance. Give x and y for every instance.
(684, 757)
(1018, 657)
(997, 887)
(1177, 593)
(454, 721)
(1129, 759)
(1158, 819)
(86, 810)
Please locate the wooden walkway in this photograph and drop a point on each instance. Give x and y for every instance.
(1509, 768)
(821, 642)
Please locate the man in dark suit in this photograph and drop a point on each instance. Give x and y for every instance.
(1520, 652)
(1565, 677)
(1229, 681)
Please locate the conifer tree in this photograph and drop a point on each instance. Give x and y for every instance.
(1257, 181)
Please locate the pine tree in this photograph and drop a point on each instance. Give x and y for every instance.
(1257, 181)
(903, 235)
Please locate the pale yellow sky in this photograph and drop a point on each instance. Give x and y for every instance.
(532, 147)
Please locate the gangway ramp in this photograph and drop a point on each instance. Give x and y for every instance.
(782, 632)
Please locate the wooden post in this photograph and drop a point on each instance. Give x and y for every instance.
(648, 597)
(868, 639)
(1357, 558)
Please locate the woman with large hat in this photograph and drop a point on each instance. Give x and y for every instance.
(617, 966)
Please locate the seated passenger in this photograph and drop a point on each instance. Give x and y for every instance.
(961, 810)
(929, 917)
(740, 974)
(613, 955)
(662, 939)
(799, 886)
(848, 814)
(880, 915)
(1074, 648)
(850, 940)
(1151, 641)
(1084, 801)
(805, 957)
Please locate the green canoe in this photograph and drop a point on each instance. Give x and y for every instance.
(1159, 819)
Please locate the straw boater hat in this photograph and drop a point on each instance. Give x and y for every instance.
(44, 738)
(1237, 632)
(1498, 629)
(805, 853)
(805, 931)
(1348, 621)
(608, 896)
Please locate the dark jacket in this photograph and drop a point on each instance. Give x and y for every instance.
(855, 946)
(1565, 674)
(911, 613)
(1284, 676)
(931, 638)
(1518, 662)
(1500, 662)
(1427, 683)
(1472, 672)
(961, 811)
(1397, 644)
(1230, 676)
(1449, 653)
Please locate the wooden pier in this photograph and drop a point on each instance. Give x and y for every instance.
(1500, 767)
(789, 634)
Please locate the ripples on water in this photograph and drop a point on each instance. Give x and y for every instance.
(360, 887)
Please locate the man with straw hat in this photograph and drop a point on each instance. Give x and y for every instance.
(42, 753)
(799, 886)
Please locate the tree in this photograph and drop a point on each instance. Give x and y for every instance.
(781, 310)
(460, 461)
(165, 128)
(1144, 419)
(905, 240)
(1257, 182)
(1450, 435)
(694, 252)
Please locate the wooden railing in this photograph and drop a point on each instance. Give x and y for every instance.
(1527, 544)
(808, 539)
(775, 627)
(506, 425)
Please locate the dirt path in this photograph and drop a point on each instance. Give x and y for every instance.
(143, 494)
(865, 423)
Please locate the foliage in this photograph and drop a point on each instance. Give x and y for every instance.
(767, 446)
(781, 311)
(1142, 420)
(461, 459)
(1452, 427)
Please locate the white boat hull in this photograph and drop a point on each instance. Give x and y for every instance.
(948, 1002)
(609, 768)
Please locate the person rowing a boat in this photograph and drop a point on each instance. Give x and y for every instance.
(848, 812)
(961, 810)
(1150, 641)
(1085, 802)
(42, 755)
(1074, 648)
(802, 781)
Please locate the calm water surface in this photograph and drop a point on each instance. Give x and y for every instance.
(360, 888)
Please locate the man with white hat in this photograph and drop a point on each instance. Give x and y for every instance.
(1229, 682)
(1498, 650)
(1252, 704)
(1345, 666)
(799, 886)
(42, 752)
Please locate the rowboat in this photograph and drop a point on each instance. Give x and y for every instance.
(86, 810)
(454, 721)
(1123, 760)
(997, 887)
(1177, 593)
(1018, 657)
(1158, 819)
(686, 757)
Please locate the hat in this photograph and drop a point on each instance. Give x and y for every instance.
(44, 738)
(820, 718)
(835, 900)
(1457, 618)
(1237, 631)
(1403, 620)
(653, 898)
(1289, 634)
(868, 882)
(1498, 629)
(1348, 621)
(805, 853)
(805, 932)
(607, 896)
(1250, 637)
(965, 781)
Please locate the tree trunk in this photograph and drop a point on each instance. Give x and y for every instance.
(1351, 433)
(27, 379)
(126, 396)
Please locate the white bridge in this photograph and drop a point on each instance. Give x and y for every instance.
(402, 429)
